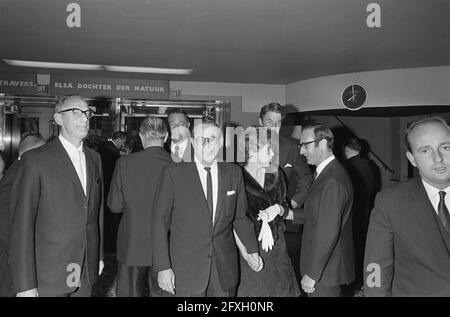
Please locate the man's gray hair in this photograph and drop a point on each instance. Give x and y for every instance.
(153, 128)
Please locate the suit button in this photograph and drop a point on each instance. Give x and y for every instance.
(209, 255)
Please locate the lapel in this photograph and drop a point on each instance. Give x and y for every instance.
(66, 165)
(90, 171)
(425, 214)
(199, 195)
(221, 171)
(323, 175)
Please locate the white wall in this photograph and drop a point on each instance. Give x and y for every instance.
(394, 87)
(253, 95)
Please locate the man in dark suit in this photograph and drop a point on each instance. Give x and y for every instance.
(298, 173)
(364, 183)
(180, 145)
(56, 211)
(200, 204)
(327, 255)
(132, 191)
(30, 142)
(110, 153)
(408, 242)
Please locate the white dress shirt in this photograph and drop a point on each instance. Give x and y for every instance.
(181, 147)
(215, 181)
(322, 165)
(433, 195)
(78, 159)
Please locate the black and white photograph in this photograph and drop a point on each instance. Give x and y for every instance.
(240, 151)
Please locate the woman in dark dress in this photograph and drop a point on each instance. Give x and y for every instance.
(267, 207)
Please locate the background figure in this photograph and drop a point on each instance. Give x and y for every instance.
(56, 211)
(327, 255)
(180, 146)
(110, 153)
(364, 183)
(132, 191)
(267, 204)
(200, 204)
(293, 164)
(408, 242)
(29, 142)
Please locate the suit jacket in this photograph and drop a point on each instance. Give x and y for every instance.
(53, 223)
(409, 243)
(364, 185)
(5, 195)
(132, 192)
(109, 155)
(298, 174)
(181, 209)
(327, 254)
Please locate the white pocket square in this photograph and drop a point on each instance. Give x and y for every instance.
(287, 165)
(230, 192)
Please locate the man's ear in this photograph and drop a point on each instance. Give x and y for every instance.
(58, 118)
(323, 144)
(411, 158)
(142, 137)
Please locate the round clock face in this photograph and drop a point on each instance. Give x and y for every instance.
(354, 96)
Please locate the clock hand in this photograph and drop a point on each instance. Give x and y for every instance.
(353, 90)
(351, 98)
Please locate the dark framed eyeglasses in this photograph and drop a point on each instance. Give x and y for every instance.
(300, 145)
(78, 113)
(202, 140)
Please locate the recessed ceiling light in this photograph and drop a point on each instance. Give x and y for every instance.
(22, 63)
(153, 70)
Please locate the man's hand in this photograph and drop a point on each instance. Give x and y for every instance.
(254, 261)
(308, 284)
(101, 265)
(166, 281)
(30, 293)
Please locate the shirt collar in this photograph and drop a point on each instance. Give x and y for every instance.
(200, 166)
(432, 191)
(324, 164)
(182, 146)
(70, 148)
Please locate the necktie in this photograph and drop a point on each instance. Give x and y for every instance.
(80, 168)
(176, 154)
(209, 195)
(443, 211)
(315, 174)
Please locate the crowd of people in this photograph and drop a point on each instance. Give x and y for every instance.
(190, 224)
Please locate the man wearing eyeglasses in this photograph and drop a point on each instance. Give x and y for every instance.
(200, 204)
(57, 207)
(327, 255)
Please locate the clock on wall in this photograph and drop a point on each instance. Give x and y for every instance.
(354, 96)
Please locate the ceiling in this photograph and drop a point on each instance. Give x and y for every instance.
(241, 41)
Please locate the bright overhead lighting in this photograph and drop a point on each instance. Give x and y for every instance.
(153, 70)
(112, 68)
(22, 63)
